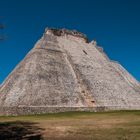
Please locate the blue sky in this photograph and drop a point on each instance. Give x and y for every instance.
(115, 24)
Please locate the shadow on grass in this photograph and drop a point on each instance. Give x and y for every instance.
(19, 130)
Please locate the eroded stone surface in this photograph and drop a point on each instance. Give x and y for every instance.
(65, 71)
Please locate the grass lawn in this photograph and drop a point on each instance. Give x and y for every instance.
(118, 125)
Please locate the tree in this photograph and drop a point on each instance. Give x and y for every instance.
(2, 26)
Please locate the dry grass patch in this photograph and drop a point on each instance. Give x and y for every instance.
(120, 125)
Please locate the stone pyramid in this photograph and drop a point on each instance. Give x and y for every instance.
(65, 72)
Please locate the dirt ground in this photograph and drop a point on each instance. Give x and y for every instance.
(119, 125)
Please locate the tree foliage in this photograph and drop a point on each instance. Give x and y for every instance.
(2, 26)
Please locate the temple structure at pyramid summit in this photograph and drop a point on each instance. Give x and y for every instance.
(66, 72)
